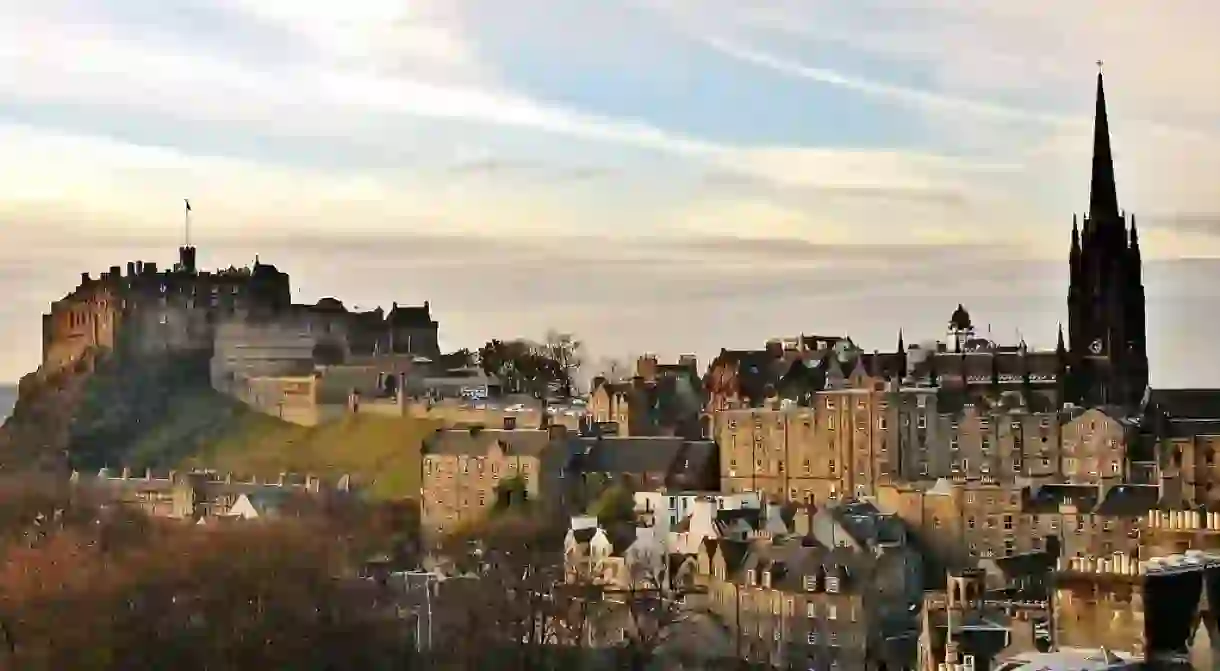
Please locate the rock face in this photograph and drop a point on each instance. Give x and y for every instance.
(95, 411)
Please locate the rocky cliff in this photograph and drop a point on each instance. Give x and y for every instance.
(101, 409)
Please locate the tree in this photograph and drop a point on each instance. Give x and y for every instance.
(568, 352)
(657, 619)
(91, 585)
(521, 368)
(507, 609)
(511, 495)
(613, 505)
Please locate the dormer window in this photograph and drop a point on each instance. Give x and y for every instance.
(766, 579)
(750, 577)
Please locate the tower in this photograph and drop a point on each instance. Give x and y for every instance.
(1107, 352)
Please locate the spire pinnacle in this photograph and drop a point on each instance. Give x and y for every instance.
(1103, 196)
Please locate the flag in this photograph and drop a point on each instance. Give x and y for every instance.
(188, 204)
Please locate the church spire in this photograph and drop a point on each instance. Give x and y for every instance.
(1103, 195)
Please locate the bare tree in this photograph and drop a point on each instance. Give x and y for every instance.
(615, 369)
(568, 352)
(659, 617)
(509, 607)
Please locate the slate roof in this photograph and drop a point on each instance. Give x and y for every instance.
(695, 467)
(1129, 500)
(1187, 403)
(631, 454)
(1048, 498)
(477, 441)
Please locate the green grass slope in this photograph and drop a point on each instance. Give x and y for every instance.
(383, 452)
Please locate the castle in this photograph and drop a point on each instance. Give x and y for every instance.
(182, 309)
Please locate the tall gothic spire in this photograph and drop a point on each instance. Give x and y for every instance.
(1103, 194)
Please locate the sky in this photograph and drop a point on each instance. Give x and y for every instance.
(660, 176)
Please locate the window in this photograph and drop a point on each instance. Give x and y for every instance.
(832, 611)
(936, 522)
(750, 577)
(1008, 522)
(766, 579)
(1114, 467)
(881, 423)
(732, 424)
(810, 583)
(923, 468)
(830, 403)
(921, 422)
(832, 466)
(811, 610)
(832, 586)
(921, 401)
(830, 422)
(811, 638)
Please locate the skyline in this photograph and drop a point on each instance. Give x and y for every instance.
(881, 166)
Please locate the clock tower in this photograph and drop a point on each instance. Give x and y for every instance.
(1108, 354)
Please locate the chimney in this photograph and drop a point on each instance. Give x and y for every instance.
(510, 422)
(689, 361)
(150, 267)
(597, 382)
(116, 271)
(131, 268)
(775, 348)
(139, 267)
(84, 278)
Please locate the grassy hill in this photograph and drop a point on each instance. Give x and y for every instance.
(157, 412)
(382, 451)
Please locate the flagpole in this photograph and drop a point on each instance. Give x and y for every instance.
(186, 221)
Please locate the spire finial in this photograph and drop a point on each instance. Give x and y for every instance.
(1100, 64)
(1103, 197)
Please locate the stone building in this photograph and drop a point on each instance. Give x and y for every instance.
(149, 310)
(464, 469)
(1157, 609)
(841, 593)
(661, 399)
(199, 495)
(465, 472)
